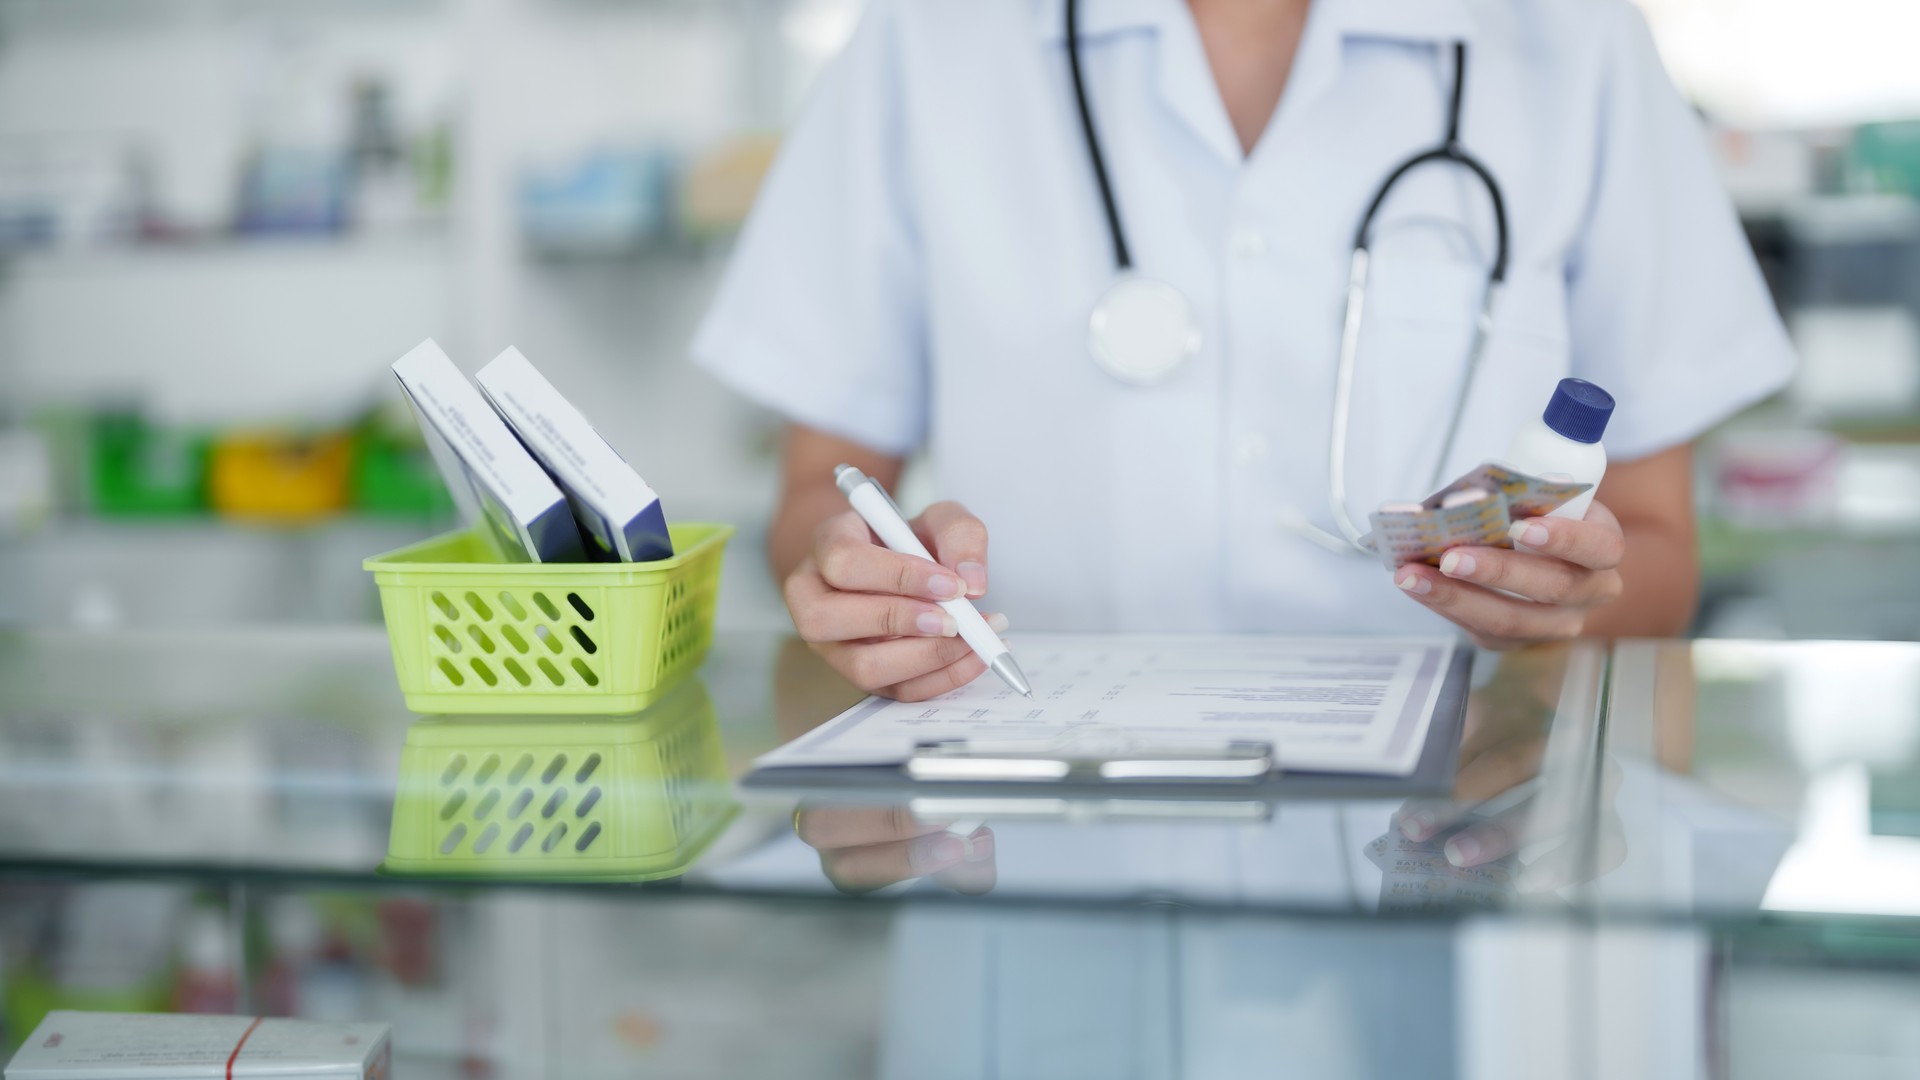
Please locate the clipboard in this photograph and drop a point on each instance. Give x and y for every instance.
(1193, 771)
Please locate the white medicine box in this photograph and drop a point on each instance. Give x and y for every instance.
(118, 1046)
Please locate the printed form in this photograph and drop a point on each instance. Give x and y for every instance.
(1352, 705)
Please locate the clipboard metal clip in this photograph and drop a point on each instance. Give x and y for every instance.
(1090, 755)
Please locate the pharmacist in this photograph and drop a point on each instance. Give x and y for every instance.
(1103, 261)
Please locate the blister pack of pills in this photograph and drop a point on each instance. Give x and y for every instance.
(1476, 510)
(1416, 875)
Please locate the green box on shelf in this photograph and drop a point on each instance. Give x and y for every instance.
(135, 468)
(1885, 157)
(473, 634)
(395, 478)
(615, 798)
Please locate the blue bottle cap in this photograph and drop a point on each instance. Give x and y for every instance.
(1579, 410)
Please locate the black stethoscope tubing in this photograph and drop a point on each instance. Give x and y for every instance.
(1448, 151)
(1122, 257)
(1129, 328)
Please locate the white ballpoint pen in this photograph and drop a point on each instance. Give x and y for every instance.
(877, 509)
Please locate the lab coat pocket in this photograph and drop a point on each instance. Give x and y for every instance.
(1411, 369)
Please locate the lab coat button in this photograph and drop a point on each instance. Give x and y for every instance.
(1249, 243)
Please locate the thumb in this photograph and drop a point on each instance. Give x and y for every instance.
(959, 540)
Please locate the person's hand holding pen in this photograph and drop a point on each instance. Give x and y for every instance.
(867, 848)
(872, 613)
(845, 596)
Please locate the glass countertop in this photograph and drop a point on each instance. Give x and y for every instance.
(1653, 780)
(1773, 778)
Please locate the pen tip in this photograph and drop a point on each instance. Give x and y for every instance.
(1029, 693)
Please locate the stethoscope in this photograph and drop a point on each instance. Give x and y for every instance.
(1142, 329)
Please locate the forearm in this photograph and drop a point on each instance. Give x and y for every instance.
(1660, 581)
(801, 511)
(807, 492)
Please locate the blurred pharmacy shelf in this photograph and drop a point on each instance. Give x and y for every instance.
(1825, 549)
(497, 985)
(159, 572)
(107, 573)
(266, 254)
(560, 175)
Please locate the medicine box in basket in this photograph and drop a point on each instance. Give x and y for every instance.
(619, 515)
(112, 1046)
(489, 473)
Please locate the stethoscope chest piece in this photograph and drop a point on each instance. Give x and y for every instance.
(1142, 330)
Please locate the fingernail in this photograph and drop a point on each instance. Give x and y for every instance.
(997, 623)
(1415, 584)
(976, 577)
(936, 624)
(1417, 826)
(1456, 564)
(1462, 850)
(943, 586)
(936, 852)
(980, 847)
(1528, 533)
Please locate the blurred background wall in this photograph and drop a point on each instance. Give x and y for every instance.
(221, 219)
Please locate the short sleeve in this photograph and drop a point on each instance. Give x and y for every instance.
(1667, 308)
(820, 316)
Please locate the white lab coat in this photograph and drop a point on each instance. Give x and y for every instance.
(920, 266)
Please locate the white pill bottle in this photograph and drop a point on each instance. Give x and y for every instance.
(1564, 444)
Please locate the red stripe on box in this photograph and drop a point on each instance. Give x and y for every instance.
(244, 1036)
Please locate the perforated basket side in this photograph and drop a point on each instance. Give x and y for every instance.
(686, 617)
(627, 798)
(693, 759)
(477, 636)
(519, 804)
(523, 637)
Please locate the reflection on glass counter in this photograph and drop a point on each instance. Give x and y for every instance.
(1712, 779)
(474, 985)
(197, 822)
(1315, 850)
(633, 798)
(1767, 777)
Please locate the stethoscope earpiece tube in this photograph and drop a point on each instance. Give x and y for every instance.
(1449, 151)
(1337, 436)
(1142, 330)
(1343, 395)
(1122, 258)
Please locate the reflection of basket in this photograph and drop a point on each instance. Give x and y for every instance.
(626, 798)
(474, 635)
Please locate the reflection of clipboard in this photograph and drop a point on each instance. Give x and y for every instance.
(1109, 809)
(1196, 771)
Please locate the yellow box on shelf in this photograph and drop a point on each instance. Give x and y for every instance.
(472, 634)
(629, 798)
(283, 478)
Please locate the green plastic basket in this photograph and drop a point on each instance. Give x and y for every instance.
(471, 634)
(630, 798)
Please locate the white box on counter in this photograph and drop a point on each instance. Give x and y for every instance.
(119, 1046)
(619, 515)
(489, 472)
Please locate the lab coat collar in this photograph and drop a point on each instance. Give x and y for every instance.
(1102, 18)
(1332, 23)
(1406, 20)
(1186, 82)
